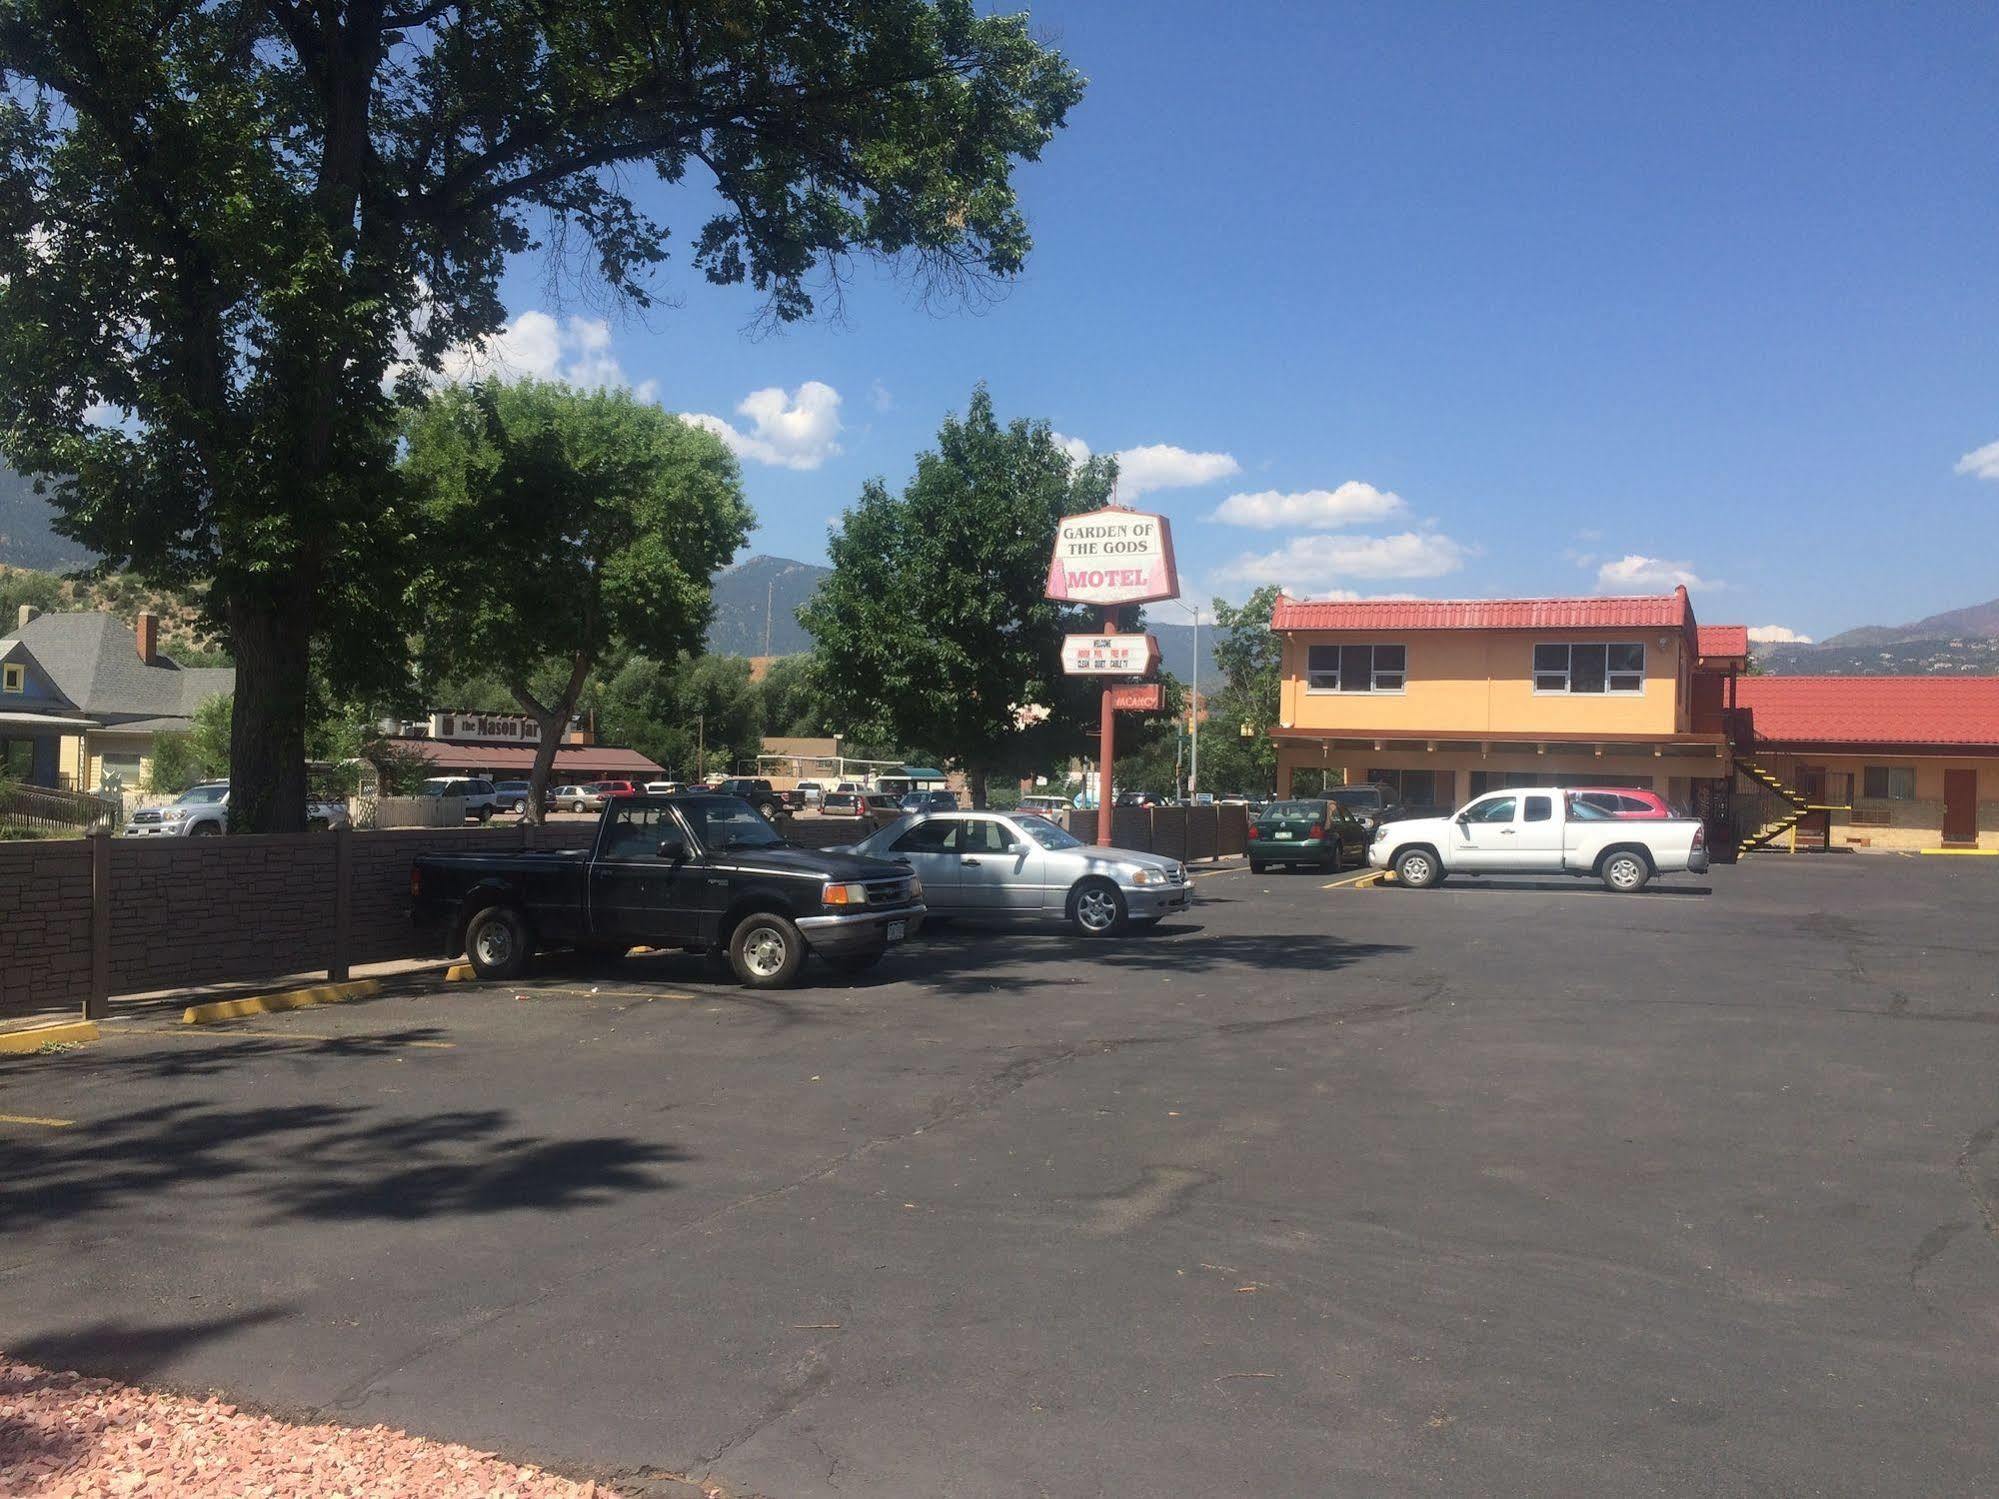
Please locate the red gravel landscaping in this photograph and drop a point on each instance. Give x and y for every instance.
(63, 1436)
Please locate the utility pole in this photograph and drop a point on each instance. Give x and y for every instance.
(1194, 708)
(700, 747)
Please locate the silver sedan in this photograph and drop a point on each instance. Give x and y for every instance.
(1023, 868)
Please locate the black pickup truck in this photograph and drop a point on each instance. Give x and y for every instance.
(694, 871)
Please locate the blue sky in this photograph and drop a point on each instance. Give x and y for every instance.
(1459, 300)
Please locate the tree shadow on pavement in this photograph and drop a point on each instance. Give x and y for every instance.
(307, 1161)
(127, 1351)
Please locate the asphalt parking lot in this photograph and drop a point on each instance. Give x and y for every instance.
(1498, 1189)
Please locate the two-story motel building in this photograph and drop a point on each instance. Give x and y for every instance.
(1445, 699)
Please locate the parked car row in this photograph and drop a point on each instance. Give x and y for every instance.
(708, 872)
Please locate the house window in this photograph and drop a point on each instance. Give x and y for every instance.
(1888, 783)
(1354, 668)
(13, 677)
(1589, 668)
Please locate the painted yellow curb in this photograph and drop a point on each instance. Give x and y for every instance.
(58, 1033)
(1358, 881)
(271, 1004)
(1971, 853)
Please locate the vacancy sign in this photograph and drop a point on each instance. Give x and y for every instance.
(1109, 655)
(1137, 697)
(1113, 557)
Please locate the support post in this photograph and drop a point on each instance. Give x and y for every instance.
(343, 905)
(1106, 751)
(97, 1003)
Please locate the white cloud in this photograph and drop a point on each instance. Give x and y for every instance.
(1634, 573)
(880, 398)
(1777, 635)
(1312, 564)
(1980, 463)
(1353, 503)
(576, 351)
(798, 430)
(1162, 466)
(1075, 447)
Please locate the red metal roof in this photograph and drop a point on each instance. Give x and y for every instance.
(572, 761)
(1872, 710)
(1644, 612)
(1724, 640)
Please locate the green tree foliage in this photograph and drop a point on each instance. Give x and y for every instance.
(18, 586)
(931, 632)
(692, 716)
(562, 523)
(1248, 657)
(248, 225)
(200, 753)
(794, 702)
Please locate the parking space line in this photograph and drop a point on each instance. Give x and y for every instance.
(610, 993)
(36, 1119)
(1357, 881)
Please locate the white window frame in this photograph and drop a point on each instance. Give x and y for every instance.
(1376, 671)
(1535, 672)
(13, 677)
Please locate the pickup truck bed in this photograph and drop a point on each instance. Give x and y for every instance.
(698, 871)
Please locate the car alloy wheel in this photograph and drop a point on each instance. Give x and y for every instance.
(494, 946)
(1098, 909)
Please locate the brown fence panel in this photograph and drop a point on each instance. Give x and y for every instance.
(1169, 831)
(1201, 824)
(1231, 831)
(44, 924)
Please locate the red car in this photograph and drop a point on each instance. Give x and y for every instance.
(1629, 803)
(608, 789)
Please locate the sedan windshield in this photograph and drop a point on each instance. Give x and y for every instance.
(1047, 834)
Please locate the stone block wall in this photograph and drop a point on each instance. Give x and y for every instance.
(44, 924)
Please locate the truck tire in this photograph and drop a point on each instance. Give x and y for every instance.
(766, 951)
(496, 943)
(205, 830)
(1625, 871)
(1417, 868)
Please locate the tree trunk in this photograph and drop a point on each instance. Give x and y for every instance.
(554, 719)
(975, 782)
(272, 646)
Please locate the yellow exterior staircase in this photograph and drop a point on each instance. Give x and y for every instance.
(1798, 807)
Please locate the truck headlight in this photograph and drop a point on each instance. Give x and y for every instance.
(915, 888)
(1381, 832)
(845, 895)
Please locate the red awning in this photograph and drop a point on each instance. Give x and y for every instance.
(573, 762)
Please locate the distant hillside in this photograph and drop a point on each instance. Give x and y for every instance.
(756, 607)
(26, 539)
(1979, 621)
(1961, 656)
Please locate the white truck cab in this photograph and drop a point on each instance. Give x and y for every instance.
(1538, 830)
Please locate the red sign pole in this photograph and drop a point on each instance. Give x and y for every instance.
(1106, 750)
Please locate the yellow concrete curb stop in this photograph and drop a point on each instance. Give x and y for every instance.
(271, 1004)
(459, 973)
(33, 1038)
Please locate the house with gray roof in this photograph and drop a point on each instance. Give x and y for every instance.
(119, 689)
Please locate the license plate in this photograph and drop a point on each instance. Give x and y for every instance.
(897, 930)
(1283, 835)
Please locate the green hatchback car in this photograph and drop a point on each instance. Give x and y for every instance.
(1319, 834)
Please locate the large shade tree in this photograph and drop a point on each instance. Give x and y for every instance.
(931, 632)
(230, 228)
(561, 523)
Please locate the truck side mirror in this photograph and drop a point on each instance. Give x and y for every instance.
(674, 849)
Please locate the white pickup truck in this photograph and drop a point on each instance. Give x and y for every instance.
(1539, 830)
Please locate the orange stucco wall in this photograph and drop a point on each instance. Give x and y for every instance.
(1483, 681)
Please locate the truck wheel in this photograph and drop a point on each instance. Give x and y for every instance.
(766, 952)
(1097, 908)
(204, 830)
(1625, 872)
(496, 942)
(1417, 869)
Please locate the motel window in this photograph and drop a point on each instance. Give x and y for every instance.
(1415, 788)
(13, 677)
(1354, 668)
(1589, 668)
(1890, 783)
